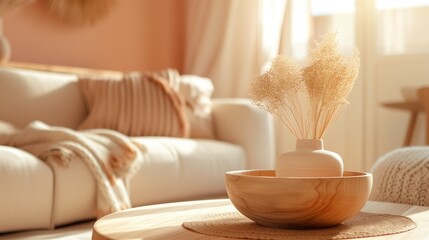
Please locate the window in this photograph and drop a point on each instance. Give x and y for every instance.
(313, 18)
(402, 26)
(336, 15)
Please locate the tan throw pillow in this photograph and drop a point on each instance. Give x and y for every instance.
(197, 92)
(137, 104)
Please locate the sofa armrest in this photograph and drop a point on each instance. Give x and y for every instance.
(238, 121)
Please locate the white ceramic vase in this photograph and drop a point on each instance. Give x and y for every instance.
(309, 159)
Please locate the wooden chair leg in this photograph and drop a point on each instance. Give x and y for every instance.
(410, 130)
(423, 94)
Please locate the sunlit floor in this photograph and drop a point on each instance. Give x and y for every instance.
(80, 231)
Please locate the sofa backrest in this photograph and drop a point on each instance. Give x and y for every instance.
(28, 95)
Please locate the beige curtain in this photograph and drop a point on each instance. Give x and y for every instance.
(229, 41)
(400, 30)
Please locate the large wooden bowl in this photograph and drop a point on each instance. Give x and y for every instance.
(297, 202)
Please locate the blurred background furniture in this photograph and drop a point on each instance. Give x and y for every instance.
(415, 106)
(423, 94)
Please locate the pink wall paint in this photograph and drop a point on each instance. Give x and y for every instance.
(135, 35)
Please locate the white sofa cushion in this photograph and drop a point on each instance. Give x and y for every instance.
(173, 169)
(26, 191)
(28, 95)
(74, 193)
(183, 169)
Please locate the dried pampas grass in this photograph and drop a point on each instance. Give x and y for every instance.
(80, 12)
(308, 100)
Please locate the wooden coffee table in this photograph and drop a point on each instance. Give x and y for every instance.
(164, 221)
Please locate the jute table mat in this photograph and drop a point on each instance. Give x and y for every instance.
(235, 225)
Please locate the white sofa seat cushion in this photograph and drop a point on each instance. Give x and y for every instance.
(26, 191)
(173, 169)
(75, 191)
(177, 169)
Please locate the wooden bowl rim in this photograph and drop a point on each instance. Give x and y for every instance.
(346, 175)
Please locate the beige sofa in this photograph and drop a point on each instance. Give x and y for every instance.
(34, 195)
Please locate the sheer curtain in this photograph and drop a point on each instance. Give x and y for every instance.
(229, 41)
(400, 27)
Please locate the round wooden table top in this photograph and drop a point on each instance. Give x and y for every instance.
(164, 221)
(161, 221)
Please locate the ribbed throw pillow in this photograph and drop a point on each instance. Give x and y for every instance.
(137, 104)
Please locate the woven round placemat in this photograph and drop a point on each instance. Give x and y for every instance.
(235, 225)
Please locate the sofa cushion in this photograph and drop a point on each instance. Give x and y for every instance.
(28, 95)
(197, 92)
(26, 191)
(174, 169)
(181, 169)
(138, 104)
(74, 193)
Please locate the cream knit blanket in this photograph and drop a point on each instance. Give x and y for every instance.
(110, 156)
(402, 176)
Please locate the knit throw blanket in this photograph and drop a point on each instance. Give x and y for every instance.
(402, 176)
(110, 156)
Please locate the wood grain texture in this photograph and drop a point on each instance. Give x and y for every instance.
(164, 221)
(297, 202)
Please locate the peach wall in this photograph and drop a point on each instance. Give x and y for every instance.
(135, 35)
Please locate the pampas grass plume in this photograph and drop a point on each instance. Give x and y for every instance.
(308, 100)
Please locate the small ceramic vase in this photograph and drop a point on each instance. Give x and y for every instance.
(309, 159)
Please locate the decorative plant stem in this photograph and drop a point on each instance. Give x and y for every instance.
(308, 100)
